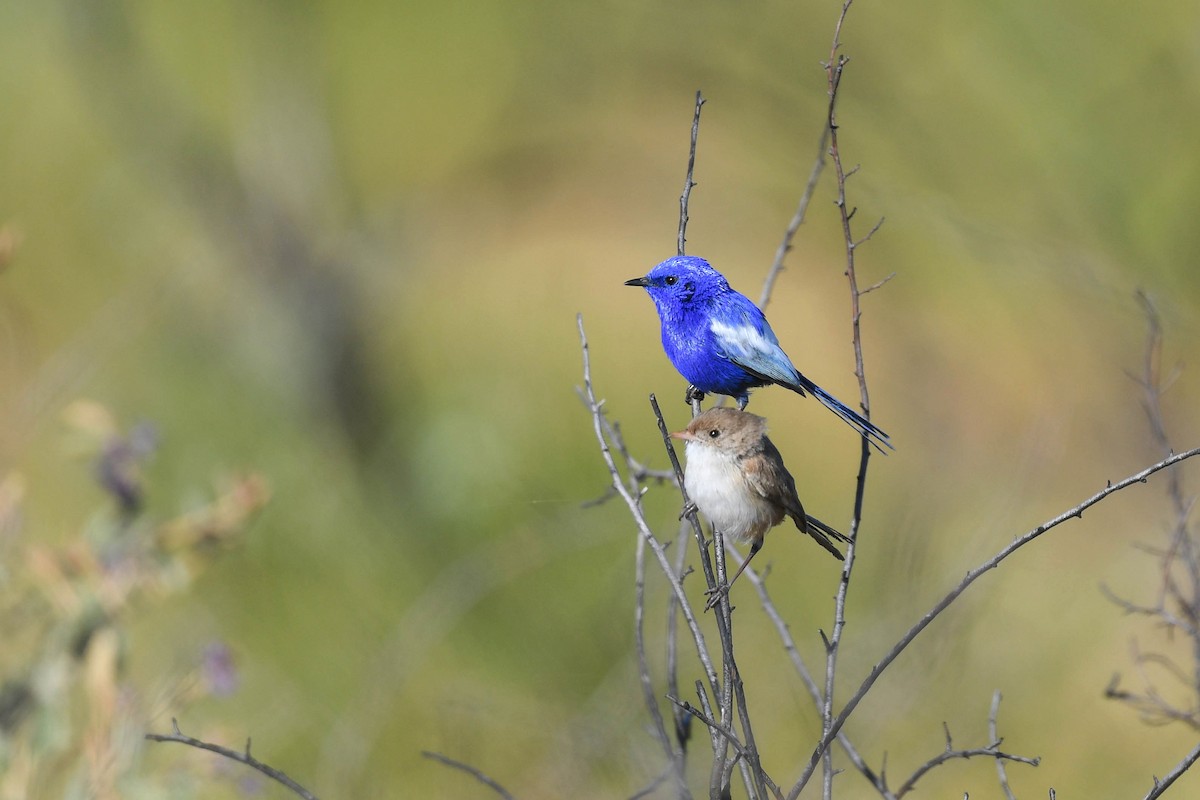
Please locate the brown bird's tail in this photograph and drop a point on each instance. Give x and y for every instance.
(823, 533)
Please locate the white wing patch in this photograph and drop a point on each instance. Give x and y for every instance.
(742, 340)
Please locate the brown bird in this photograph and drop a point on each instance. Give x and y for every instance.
(736, 476)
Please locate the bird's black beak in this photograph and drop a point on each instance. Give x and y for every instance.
(637, 282)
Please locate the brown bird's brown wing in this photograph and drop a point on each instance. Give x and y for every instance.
(767, 473)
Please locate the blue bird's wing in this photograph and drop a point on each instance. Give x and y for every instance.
(745, 338)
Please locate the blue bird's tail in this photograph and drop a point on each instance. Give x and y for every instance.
(864, 426)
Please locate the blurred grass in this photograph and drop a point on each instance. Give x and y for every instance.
(344, 246)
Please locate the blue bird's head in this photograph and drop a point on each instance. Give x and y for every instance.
(681, 282)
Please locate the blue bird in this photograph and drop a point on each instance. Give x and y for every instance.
(721, 342)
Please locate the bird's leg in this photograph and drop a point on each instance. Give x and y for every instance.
(743, 401)
(689, 509)
(692, 397)
(724, 590)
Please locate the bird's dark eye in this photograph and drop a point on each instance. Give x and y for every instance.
(714, 433)
(670, 280)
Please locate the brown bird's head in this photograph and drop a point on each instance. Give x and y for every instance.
(726, 429)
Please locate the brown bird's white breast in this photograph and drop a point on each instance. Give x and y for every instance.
(714, 482)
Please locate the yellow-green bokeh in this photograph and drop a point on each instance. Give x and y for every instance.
(343, 246)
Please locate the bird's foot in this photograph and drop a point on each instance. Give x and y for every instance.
(715, 595)
(688, 510)
(692, 395)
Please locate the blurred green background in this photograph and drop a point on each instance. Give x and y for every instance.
(342, 245)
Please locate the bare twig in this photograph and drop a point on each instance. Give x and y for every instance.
(639, 519)
(713, 725)
(743, 752)
(1162, 785)
(1160, 612)
(789, 235)
(1141, 476)
(732, 688)
(879, 284)
(638, 472)
(673, 752)
(1150, 704)
(674, 755)
(834, 69)
(651, 787)
(688, 182)
(877, 780)
(814, 691)
(1001, 771)
(596, 409)
(1177, 606)
(951, 753)
(706, 704)
(472, 771)
(243, 757)
(682, 721)
(728, 691)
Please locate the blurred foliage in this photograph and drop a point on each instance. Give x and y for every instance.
(69, 719)
(343, 245)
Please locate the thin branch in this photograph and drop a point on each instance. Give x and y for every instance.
(1162, 661)
(688, 182)
(990, 751)
(632, 502)
(1167, 618)
(244, 757)
(635, 510)
(1001, 771)
(1177, 606)
(879, 284)
(732, 682)
(674, 756)
(793, 227)
(789, 645)
(951, 753)
(706, 704)
(638, 472)
(472, 771)
(682, 724)
(1161, 786)
(717, 778)
(650, 788)
(730, 736)
(874, 228)
(1151, 705)
(834, 69)
(1141, 476)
